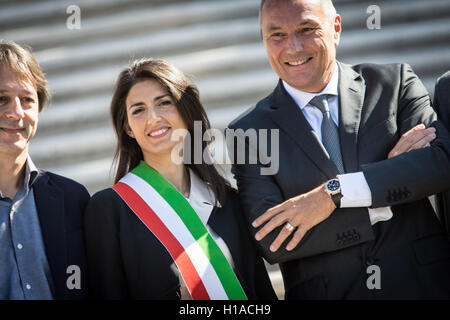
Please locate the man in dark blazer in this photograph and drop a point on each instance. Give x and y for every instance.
(442, 107)
(41, 237)
(442, 99)
(375, 236)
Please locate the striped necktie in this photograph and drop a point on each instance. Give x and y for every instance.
(330, 133)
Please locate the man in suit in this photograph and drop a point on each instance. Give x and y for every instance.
(442, 107)
(41, 238)
(346, 215)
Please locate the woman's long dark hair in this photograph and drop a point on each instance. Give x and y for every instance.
(185, 94)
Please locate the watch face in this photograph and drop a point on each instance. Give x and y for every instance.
(333, 185)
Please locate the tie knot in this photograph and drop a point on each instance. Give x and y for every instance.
(320, 102)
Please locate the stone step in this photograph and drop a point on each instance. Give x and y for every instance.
(20, 14)
(166, 42)
(429, 34)
(392, 12)
(131, 22)
(277, 283)
(230, 59)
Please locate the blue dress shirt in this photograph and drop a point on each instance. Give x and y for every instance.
(24, 269)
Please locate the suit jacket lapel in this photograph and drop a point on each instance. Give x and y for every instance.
(291, 120)
(49, 201)
(351, 97)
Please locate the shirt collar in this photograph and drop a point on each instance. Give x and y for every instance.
(200, 191)
(31, 172)
(303, 98)
(201, 198)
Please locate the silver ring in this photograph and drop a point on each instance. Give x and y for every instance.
(289, 227)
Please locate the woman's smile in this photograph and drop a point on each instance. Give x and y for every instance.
(159, 132)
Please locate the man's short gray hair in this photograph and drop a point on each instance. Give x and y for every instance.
(327, 6)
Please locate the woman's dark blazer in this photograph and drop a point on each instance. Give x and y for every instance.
(126, 261)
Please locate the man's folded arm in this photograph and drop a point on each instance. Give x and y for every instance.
(258, 193)
(419, 173)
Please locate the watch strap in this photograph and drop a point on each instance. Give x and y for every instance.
(337, 199)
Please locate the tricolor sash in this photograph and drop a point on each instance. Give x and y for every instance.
(170, 217)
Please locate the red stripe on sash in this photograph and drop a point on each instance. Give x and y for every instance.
(149, 218)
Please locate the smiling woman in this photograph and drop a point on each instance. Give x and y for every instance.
(167, 230)
(150, 96)
(152, 117)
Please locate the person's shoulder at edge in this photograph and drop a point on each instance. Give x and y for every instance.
(444, 78)
(378, 72)
(105, 205)
(65, 183)
(250, 117)
(106, 197)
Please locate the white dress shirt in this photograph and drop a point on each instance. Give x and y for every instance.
(354, 187)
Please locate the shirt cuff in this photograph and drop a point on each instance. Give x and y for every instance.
(356, 193)
(355, 190)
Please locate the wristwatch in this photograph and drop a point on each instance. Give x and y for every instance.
(333, 188)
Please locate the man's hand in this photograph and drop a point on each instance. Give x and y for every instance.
(304, 212)
(416, 138)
